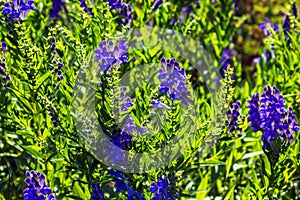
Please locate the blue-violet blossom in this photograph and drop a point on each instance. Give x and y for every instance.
(97, 193)
(37, 188)
(108, 54)
(173, 80)
(268, 114)
(121, 184)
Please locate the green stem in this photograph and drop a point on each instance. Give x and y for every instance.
(291, 95)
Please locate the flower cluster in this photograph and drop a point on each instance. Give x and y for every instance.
(268, 114)
(109, 54)
(286, 25)
(3, 47)
(225, 59)
(97, 193)
(122, 185)
(235, 5)
(232, 117)
(265, 27)
(54, 118)
(173, 80)
(127, 104)
(129, 125)
(3, 69)
(88, 128)
(85, 7)
(37, 188)
(115, 4)
(56, 65)
(163, 189)
(124, 9)
(57, 6)
(18, 9)
(120, 139)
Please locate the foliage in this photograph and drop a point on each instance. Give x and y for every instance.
(44, 46)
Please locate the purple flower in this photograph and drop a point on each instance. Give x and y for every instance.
(57, 6)
(267, 55)
(185, 11)
(235, 4)
(265, 27)
(156, 4)
(163, 189)
(122, 185)
(129, 126)
(56, 66)
(4, 47)
(268, 114)
(54, 118)
(254, 114)
(7, 9)
(124, 9)
(126, 13)
(97, 193)
(158, 104)
(232, 117)
(294, 10)
(115, 4)
(123, 93)
(109, 54)
(127, 104)
(121, 140)
(37, 188)
(18, 9)
(173, 80)
(3, 71)
(286, 26)
(85, 7)
(225, 59)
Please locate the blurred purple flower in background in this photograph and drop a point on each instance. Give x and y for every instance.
(225, 59)
(265, 27)
(235, 5)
